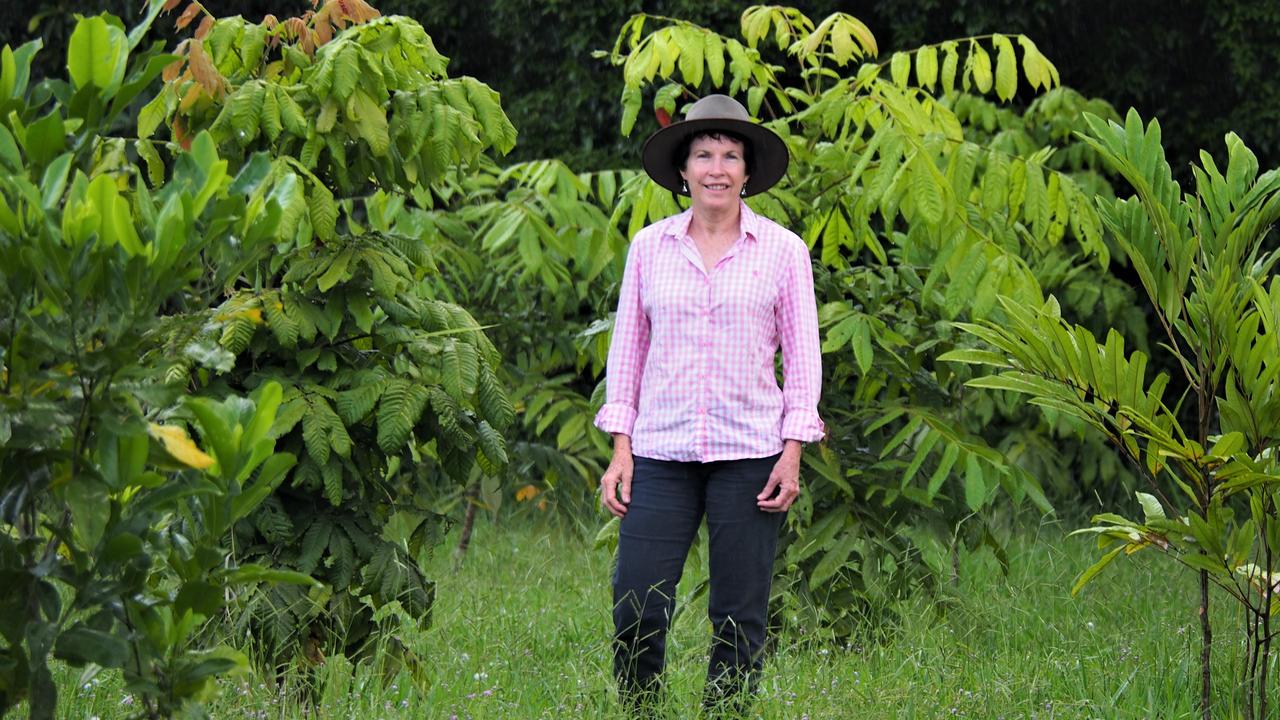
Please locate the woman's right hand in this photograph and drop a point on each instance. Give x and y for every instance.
(615, 484)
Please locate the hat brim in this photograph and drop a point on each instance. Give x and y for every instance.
(768, 149)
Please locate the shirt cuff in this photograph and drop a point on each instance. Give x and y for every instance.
(803, 425)
(616, 418)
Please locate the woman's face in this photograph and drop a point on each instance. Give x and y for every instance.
(715, 171)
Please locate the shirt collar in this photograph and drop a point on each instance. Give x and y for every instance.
(678, 225)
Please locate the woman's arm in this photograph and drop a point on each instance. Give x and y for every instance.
(797, 319)
(615, 484)
(783, 486)
(627, 351)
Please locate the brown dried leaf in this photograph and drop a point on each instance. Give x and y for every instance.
(187, 16)
(172, 69)
(295, 27)
(361, 11)
(324, 32)
(270, 21)
(205, 26)
(204, 72)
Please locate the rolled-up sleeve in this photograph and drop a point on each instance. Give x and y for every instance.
(797, 319)
(628, 349)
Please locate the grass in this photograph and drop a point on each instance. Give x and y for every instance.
(521, 631)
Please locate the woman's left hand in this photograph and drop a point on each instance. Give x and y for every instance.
(784, 480)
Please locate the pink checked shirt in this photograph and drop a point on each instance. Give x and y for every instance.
(691, 365)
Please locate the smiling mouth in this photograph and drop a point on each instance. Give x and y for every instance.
(716, 187)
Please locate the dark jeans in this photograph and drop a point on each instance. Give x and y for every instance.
(668, 502)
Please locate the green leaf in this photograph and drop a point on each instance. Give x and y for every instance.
(90, 511)
(975, 486)
(9, 154)
(1151, 508)
(927, 66)
(97, 53)
(926, 191)
(492, 446)
(315, 432)
(950, 60)
(81, 645)
(398, 411)
(356, 404)
(835, 559)
(337, 271)
(980, 64)
(251, 573)
(55, 180)
(1094, 569)
(975, 357)
(861, 341)
(324, 212)
(900, 68)
(461, 368)
(940, 474)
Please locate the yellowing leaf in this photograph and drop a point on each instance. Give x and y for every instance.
(981, 67)
(927, 66)
(528, 492)
(1006, 68)
(900, 67)
(176, 442)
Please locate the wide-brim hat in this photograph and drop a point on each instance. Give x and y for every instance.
(716, 112)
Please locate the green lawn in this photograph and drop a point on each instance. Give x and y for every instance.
(521, 632)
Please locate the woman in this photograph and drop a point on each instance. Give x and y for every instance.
(700, 427)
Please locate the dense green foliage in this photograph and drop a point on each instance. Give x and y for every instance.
(114, 525)
(309, 256)
(1210, 283)
(391, 401)
(1203, 66)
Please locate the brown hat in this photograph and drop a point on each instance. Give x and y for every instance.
(716, 112)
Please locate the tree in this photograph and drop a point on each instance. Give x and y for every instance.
(113, 521)
(391, 399)
(1204, 268)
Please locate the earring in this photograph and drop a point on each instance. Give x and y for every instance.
(743, 191)
(684, 187)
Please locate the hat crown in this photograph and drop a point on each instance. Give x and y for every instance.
(716, 113)
(717, 107)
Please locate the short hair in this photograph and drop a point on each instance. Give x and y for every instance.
(680, 158)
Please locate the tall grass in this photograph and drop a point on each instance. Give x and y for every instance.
(521, 631)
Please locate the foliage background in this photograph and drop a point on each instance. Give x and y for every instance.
(1202, 66)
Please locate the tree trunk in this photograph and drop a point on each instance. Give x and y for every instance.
(1249, 668)
(468, 522)
(1206, 634)
(1265, 668)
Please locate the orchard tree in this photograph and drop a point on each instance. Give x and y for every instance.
(391, 398)
(114, 522)
(1209, 466)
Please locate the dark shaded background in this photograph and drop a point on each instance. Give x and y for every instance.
(1202, 67)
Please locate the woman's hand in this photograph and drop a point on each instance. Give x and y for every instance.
(615, 484)
(784, 480)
